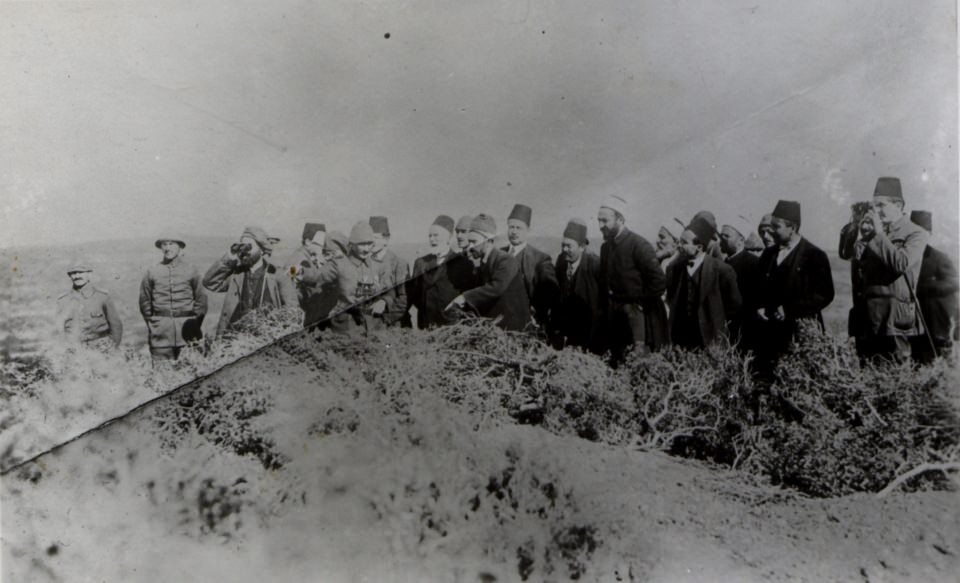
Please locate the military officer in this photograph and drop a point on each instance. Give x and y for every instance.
(172, 302)
(310, 254)
(394, 273)
(86, 314)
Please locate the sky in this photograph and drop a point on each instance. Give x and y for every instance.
(134, 119)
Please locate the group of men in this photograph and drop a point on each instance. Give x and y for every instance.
(707, 285)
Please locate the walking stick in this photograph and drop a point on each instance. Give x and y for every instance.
(923, 322)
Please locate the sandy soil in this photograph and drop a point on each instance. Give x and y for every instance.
(291, 475)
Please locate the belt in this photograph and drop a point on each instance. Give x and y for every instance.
(173, 313)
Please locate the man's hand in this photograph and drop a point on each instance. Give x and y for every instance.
(458, 302)
(379, 307)
(762, 314)
(779, 315)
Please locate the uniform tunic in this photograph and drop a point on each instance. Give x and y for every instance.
(393, 274)
(173, 303)
(88, 314)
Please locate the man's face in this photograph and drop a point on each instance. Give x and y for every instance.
(517, 232)
(572, 250)
(380, 242)
(766, 235)
(462, 238)
(256, 253)
(79, 278)
(782, 231)
(665, 242)
(888, 210)
(730, 241)
(866, 228)
(688, 244)
(609, 223)
(363, 250)
(170, 250)
(438, 237)
(476, 245)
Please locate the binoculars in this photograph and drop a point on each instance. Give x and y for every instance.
(364, 290)
(241, 249)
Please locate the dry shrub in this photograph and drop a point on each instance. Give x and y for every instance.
(857, 428)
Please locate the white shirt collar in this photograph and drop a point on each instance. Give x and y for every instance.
(515, 250)
(697, 262)
(785, 251)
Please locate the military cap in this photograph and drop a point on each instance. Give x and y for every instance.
(787, 210)
(311, 229)
(890, 187)
(521, 212)
(162, 240)
(380, 226)
(576, 230)
(79, 268)
(361, 233)
(923, 219)
(445, 222)
(258, 235)
(484, 224)
(703, 230)
(464, 223)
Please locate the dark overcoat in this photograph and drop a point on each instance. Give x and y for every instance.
(500, 291)
(577, 319)
(718, 297)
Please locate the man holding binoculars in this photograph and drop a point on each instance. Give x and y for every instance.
(249, 279)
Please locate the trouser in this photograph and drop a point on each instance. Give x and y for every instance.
(883, 348)
(166, 353)
(626, 328)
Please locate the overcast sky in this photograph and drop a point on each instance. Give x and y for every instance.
(129, 119)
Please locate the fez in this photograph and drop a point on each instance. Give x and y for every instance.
(79, 268)
(707, 216)
(258, 235)
(787, 210)
(162, 240)
(890, 187)
(576, 230)
(361, 233)
(380, 226)
(521, 212)
(445, 222)
(464, 223)
(702, 228)
(484, 224)
(923, 219)
(615, 203)
(311, 229)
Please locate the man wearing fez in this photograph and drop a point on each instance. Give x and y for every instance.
(436, 274)
(890, 256)
(632, 283)
(536, 268)
(250, 281)
(394, 272)
(937, 290)
(578, 316)
(310, 254)
(701, 290)
(463, 231)
(86, 314)
(667, 247)
(794, 283)
(733, 243)
(172, 302)
(499, 291)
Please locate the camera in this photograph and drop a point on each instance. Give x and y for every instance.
(241, 249)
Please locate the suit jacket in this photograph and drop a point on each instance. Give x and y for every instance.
(539, 281)
(937, 293)
(500, 291)
(432, 287)
(224, 277)
(718, 298)
(578, 315)
(802, 284)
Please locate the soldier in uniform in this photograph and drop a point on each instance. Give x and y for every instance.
(86, 314)
(250, 281)
(632, 283)
(536, 268)
(500, 290)
(937, 294)
(701, 290)
(310, 254)
(362, 298)
(394, 273)
(578, 317)
(172, 302)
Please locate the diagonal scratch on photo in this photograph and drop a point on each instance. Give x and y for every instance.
(316, 290)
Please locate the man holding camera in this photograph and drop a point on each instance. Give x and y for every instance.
(250, 281)
(172, 302)
(887, 254)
